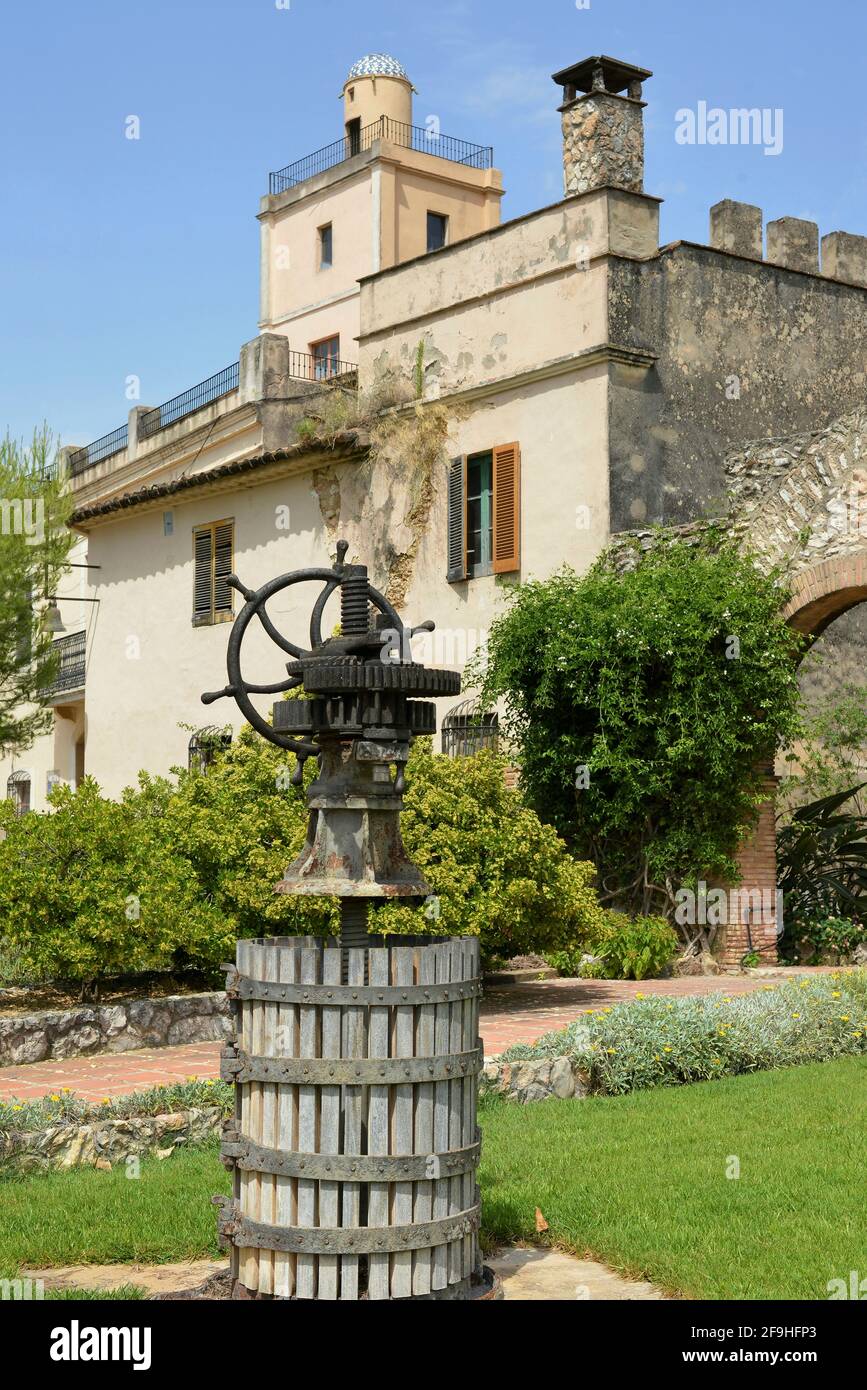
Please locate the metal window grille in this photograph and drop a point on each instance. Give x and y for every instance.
(18, 792)
(467, 729)
(205, 745)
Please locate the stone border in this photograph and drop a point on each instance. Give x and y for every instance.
(102, 1143)
(121, 1027)
(557, 1078)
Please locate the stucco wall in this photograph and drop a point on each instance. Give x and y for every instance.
(301, 300)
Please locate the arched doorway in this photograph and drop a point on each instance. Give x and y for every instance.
(799, 505)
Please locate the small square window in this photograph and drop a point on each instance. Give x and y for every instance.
(326, 247)
(437, 231)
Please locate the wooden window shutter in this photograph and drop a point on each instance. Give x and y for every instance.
(223, 546)
(213, 547)
(203, 603)
(457, 520)
(507, 508)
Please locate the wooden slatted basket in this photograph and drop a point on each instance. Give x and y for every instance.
(354, 1143)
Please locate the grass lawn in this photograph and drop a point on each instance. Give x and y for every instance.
(638, 1181)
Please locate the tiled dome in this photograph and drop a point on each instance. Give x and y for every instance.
(377, 65)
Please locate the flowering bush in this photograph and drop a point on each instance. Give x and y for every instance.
(665, 1042)
(65, 1108)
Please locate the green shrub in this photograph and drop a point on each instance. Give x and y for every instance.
(496, 870)
(641, 705)
(665, 1042)
(834, 936)
(171, 875)
(94, 889)
(630, 948)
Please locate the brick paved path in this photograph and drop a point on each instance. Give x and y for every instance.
(510, 1014)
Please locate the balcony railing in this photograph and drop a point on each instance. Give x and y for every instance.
(100, 449)
(220, 384)
(71, 663)
(303, 366)
(411, 137)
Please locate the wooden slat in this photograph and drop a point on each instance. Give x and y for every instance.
(253, 1124)
(268, 967)
(507, 508)
(456, 1113)
(440, 1256)
(354, 1044)
(425, 1037)
(305, 1272)
(329, 1126)
(403, 1024)
(470, 1089)
(287, 1119)
(378, 1126)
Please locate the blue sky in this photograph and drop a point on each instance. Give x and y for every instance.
(121, 256)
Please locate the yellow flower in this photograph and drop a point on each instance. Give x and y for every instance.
(666, 1049)
(589, 1012)
(805, 984)
(835, 994)
(209, 1082)
(796, 1015)
(715, 1061)
(727, 999)
(66, 1090)
(656, 1057)
(106, 1100)
(611, 1050)
(844, 1018)
(18, 1107)
(54, 1097)
(669, 1006)
(192, 1078)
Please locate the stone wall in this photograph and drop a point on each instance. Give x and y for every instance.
(558, 1078)
(119, 1027)
(744, 350)
(106, 1142)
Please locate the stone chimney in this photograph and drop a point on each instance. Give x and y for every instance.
(603, 125)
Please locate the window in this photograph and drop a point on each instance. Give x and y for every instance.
(326, 247)
(18, 792)
(484, 522)
(480, 522)
(468, 729)
(204, 746)
(326, 358)
(213, 549)
(437, 231)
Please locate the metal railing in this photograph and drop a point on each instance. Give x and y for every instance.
(305, 366)
(220, 384)
(71, 664)
(411, 137)
(100, 449)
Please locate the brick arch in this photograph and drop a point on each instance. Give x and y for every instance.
(820, 593)
(824, 591)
